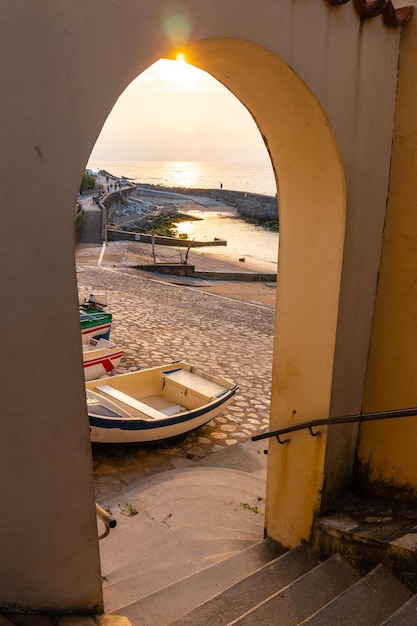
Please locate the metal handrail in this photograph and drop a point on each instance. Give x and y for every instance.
(108, 521)
(346, 419)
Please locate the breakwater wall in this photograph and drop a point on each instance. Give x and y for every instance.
(252, 205)
(113, 198)
(110, 200)
(113, 234)
(248, 205)
(177, 269)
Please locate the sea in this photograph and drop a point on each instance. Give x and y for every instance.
(243, 240)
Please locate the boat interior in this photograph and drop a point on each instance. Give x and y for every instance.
(156, 393)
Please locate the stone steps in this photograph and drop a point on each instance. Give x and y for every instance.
(405, 615)
(252, 590)
(291, 604)
(194, 555)
(186, 521)
(164, 564)
(289, 590)
(367, 603)
(170, 602)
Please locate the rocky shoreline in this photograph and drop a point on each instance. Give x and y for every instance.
(253, 207)
(263, 209)
(150, 208)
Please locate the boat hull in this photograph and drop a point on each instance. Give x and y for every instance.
(113, 422)
(146, 433)
(96, 325)
(100, 357)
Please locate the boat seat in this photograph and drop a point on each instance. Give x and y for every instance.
(203, 386)
(132, 402)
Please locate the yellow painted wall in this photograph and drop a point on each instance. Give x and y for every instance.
(387, 461)
(312, 200)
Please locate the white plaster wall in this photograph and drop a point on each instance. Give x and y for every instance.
(63, 64)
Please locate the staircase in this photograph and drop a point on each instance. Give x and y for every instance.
(189, 550)
(90, 231)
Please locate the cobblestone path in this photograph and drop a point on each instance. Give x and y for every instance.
(157, 322)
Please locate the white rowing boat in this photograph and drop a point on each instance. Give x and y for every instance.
(155, 404)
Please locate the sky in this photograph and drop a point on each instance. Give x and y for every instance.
(176, 112)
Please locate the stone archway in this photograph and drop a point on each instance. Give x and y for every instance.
(312, 199)
(311, 193)
(67, 63)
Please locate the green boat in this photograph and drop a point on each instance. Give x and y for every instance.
(94, 320)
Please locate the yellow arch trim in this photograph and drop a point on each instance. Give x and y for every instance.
(312, 201)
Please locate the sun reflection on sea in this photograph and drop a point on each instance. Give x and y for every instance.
(186, 173)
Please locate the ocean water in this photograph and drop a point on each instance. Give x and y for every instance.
(243, 240)
(252, 177)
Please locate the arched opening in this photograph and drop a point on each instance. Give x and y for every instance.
(243, 421)
(311, 193)
(177, 127)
